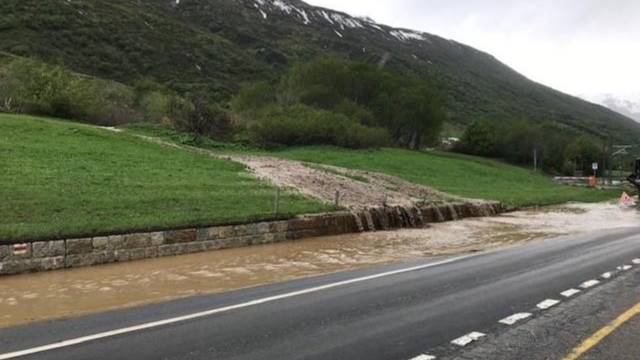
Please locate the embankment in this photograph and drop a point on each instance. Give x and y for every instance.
(70, 253)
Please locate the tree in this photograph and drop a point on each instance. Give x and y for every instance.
(407, 108)
(419, 116)
(480, 138)
(582, 152)
(517, 141)
(321, 83)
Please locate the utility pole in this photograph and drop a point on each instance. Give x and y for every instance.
(535, 159)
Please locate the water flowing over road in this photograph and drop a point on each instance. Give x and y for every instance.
(74, 292)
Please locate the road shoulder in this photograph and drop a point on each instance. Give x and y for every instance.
(554, 334)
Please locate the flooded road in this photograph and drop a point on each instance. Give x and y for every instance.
(32, 297)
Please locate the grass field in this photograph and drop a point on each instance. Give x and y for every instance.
(61, 179)
(456, 174)
(64, 179)
(462, 175)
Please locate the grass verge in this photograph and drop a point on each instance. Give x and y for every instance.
(61, 179)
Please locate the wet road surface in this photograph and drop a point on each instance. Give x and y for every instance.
(599, 324)
(75, 292)
(623, 344)
(390, 312)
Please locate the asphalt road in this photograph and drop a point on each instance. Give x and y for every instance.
(623, 344)
(393, 312)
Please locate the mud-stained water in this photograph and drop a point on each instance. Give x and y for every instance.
(33, 297)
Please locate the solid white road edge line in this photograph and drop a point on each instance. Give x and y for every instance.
(569, 293)
(589, 284)
(150, 325)
(468, 339)
(424, 357)
(549, 303)
(511, 320)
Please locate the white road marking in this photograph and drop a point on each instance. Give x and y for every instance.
(515, 318)
(468, 339)
(624, 267)
(607, 275)
(424, 357)
(589, 284)
(549, 303)
(569, 293)
(636, 261)
(155, 324)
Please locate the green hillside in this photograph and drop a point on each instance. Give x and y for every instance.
(64, 179)
(461, 175)
(215, 45)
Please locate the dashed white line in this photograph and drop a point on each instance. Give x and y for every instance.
(179, 319)
(515, 318)
(606, 275)
(636, 261)
(549, 303)
(424, 357)
(468, 339)
(569, 293)
(589, 284)
(624, 267)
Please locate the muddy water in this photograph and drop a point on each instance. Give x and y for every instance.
(32, 297)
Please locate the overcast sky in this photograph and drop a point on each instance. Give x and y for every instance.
(582, 47)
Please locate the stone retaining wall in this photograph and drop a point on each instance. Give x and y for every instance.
(71, 253)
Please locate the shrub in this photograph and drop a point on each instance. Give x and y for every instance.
(253, 97)
(405, 106)
(199, 117)
(355, 112)
(33, 87)
(155, 106)
(303, 125)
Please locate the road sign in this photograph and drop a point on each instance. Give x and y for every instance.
(594, 166)
(626, 200)
(20, 249)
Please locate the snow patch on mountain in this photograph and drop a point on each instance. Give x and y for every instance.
(346, 21)
(404, 35)
(338, 21)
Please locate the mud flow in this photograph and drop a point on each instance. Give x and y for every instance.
(40, 296)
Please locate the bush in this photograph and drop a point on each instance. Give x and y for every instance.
(200, 117)
(303, 125)
(32, 87)
(253, 97)
(155, 106)
(405, 106)
(481, 138)
(355, 112)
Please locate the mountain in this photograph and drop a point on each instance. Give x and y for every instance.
(215, 45)
(623, 106)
